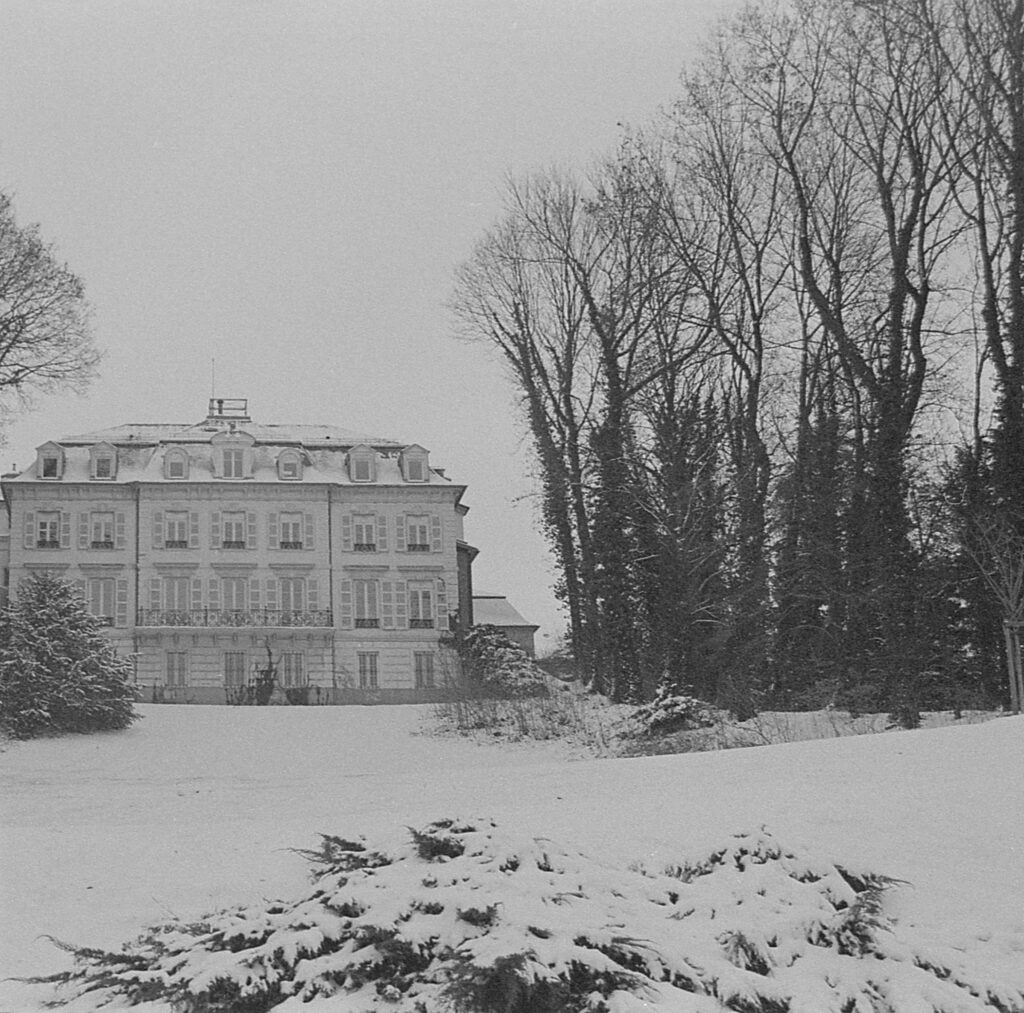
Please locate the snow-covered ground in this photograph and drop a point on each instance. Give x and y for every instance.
(194, 808)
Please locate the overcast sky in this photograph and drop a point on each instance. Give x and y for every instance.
(287, 186)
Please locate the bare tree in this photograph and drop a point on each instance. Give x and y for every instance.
(45, 341)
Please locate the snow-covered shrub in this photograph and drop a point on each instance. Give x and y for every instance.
(672, 711)
(58, 673)
(494, 663)
(464, 918)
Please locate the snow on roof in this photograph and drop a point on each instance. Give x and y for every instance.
(496, 610)
(142, 433)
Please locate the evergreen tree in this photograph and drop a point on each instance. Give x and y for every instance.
(58, 673)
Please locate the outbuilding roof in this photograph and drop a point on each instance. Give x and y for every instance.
(496, 610)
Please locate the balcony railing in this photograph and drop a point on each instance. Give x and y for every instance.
(234, 617)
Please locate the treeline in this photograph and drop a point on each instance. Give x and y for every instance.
(771, 358)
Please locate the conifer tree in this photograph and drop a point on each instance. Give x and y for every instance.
(58, 673)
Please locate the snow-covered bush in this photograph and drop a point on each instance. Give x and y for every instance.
(58, 673)
(672, 711)
(463, 918)
(494, 663)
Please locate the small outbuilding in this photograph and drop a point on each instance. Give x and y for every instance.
(496, 610)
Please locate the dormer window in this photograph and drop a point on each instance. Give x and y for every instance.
(232, 455)
(413, 461)
(233, 463)
(362, 464)
(289, 466)
(50, 463)
(176, 464)
(103, 461)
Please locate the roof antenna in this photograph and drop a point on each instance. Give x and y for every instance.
(213, 377)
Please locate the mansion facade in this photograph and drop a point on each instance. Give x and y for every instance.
(213, 550)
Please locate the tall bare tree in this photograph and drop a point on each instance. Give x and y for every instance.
(45, 340)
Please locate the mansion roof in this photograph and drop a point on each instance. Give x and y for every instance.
(146, 452)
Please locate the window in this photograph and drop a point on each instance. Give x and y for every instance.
(233, 462)
(48, 529)
(176, 534)
(233, 535)
(365, 592)
(176, 594)
(423, 669)
(233, 592)
(103, 467)
(292, 671)
(367, 670)
(365, 531)
(421, 615)
(176, 673)
(293, 594)
(361, 464)
(289, 466)
(234, 668)
(102, 531)
(414, 469)
(291, 531)
(49, 464)
(417, 538)
(176, 464)
(101, 599)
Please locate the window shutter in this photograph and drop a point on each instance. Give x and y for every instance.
(400, 533)
(345, 604)
(121, 602)
(271, 589)
(307, 531)
(441, 596)
(65, 530)
(197, 594)
(214, 593)
(120, 530)
(30, 530)
(158, 529)
(313, 594)
(435, 533)
(401, 605)
(250, 531)
(83, 531)
(193, 530)
(346, 532)
(382, 533)
(215, 530)
(387, 604)
(254, 592)
(79, 586)
(272, 535)
(155, 598)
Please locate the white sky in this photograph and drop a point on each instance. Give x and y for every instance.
(287, 186)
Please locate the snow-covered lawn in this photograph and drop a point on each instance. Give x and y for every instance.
(193, 809)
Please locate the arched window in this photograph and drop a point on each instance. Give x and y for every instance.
(289, 465)
(176, 463)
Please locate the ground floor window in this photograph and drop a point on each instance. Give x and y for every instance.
(293, 672)
(176, 673)
(234, 668)
(367, 670)
(101, 599)
(423, 666)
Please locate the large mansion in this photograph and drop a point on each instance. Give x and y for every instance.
(211, 549)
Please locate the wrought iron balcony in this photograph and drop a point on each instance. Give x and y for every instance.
(234, 617)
